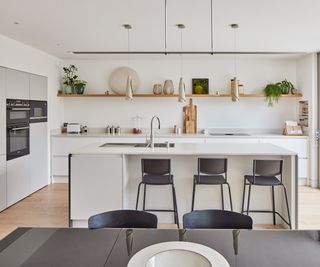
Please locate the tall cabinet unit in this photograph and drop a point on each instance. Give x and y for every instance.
(3, 173)
(38, 138)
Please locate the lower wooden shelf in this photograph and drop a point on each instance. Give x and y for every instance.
(174, 95)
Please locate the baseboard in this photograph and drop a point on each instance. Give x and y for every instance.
(60, 179)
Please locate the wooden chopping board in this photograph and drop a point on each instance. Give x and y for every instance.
(190, 118)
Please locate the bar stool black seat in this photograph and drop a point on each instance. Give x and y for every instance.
(216, 219)
(123, 219)
(211, 171)
(266, 173)
(157, 172)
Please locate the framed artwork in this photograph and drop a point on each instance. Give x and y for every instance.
(200, 86)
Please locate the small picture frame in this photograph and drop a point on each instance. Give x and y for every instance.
(200, 86)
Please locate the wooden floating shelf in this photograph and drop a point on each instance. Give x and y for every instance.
(174, 95)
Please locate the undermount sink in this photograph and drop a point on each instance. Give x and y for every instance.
(155, 145)
(136, 145)
(172, 254)
(229, 134)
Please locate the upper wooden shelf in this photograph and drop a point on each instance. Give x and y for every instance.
(174, 95)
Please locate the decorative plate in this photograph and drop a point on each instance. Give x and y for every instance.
(118, 80)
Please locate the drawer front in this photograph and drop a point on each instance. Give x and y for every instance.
(303, 168)
(62, 146)
(59, 166)
(299, 146)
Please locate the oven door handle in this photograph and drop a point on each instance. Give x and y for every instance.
(19, 128)
(19, 109)
(40, 117)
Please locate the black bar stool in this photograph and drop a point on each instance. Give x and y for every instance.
(211, 172)
(157, 172)
(265, 173)
(216, 219)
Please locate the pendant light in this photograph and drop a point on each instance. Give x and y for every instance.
(182, 86)
(129, 90)
(234, 82)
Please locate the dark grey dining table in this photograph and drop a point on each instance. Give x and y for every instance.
(32, 247)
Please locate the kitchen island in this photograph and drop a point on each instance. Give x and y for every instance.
(106, 178)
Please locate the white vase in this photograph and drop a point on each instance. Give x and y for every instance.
(182, 91)
(129, 91)
(168, 88)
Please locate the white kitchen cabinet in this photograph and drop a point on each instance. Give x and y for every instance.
(38, 87)
(196, 16)
(96, 185)
(3, 182)
(303, 168)
(18, 179)
(62, 146)
(38, 156)
(17, 84)
(59, 166)
(3, 125)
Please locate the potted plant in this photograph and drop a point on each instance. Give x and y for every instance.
(69, 78)
(79, 86)
(287, 87)
(272, 92)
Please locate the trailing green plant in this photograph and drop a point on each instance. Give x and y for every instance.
(287, 87)
(272, 92)
(70, 75)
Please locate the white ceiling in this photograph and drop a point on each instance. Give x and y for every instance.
(59, 26)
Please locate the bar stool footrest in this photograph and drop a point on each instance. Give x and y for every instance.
(268, 211)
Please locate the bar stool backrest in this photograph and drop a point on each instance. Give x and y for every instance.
(216, 219)
(156, 166)
(212, 166)
(123, 219)
(267, 167)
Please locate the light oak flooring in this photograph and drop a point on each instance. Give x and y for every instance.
(49, 208)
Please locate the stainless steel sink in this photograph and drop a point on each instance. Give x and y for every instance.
(135, 145)
(229, 134)
(155, 145)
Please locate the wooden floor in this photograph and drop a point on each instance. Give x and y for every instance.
(49, 208)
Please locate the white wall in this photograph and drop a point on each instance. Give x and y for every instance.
(307, 79)
(253, 71)
(18, 56)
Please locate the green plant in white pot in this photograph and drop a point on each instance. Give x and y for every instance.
(79, 86)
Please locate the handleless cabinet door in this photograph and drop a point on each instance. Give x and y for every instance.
(95, 185)
(38, 156)
(18, 179)
(38, 87)
(17, 84)
(3, 183)
(196, 16)
(2, 112)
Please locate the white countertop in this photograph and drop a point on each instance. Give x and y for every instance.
(225, 149)
(172, 135)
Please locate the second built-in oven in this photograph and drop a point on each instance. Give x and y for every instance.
(18, 130)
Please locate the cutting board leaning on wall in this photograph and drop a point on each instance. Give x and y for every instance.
(190, 118)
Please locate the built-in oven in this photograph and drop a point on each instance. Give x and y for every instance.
(18, 130)
(18, 111)
(18, 141)
(38, 111)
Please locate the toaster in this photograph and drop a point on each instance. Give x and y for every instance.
(73, 128)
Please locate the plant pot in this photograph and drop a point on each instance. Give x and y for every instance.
(80, 91)
(68, 89)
